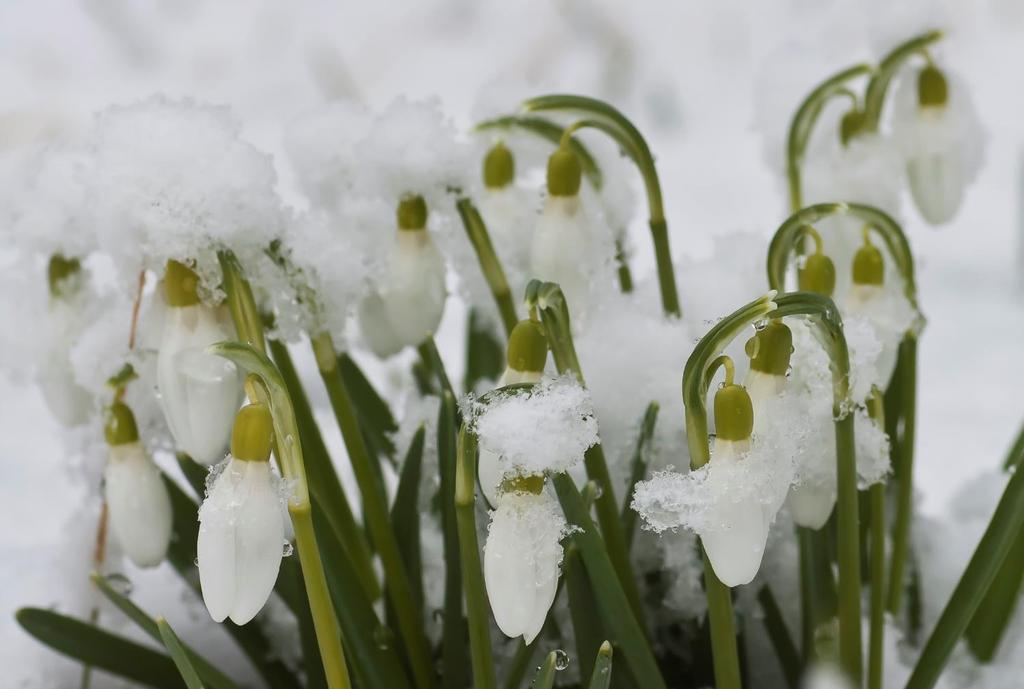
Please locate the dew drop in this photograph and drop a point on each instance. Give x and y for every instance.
(761, 324)
(383, 637)
(120, 583)
(561, 660)
(287, 549)
(196, 562)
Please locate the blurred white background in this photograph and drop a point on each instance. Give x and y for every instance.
(710, 84)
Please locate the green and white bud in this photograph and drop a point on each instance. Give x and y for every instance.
(410, 300)
(199, 392)
(527, 353)
(561, 240)
(69, 402)
(241, 524)
(137, 499)
(769, 350)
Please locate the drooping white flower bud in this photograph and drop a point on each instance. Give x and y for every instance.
(200, 392)
(940, 144)
(561, 240)
(508, 210)
(241, 525)
(137, 499)
(522, 556)
(410, 301)
(69, 402)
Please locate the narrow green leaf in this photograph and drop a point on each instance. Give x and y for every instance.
(432, 357)
(405, 513)
(375, 417)
(601, 677)
(778, 633)
(369, 645)
(455, 660)
(324, 484)
(100, 649)
(638, 470)
(178, 654)
(213, 677)
(546, 673)
(611, 599)
(1016, 454)
(583, 609)
(992, 550)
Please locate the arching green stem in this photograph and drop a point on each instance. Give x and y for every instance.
(490, 264)
(802, 125)
(824, 316)
(602, 116)
(878, 87)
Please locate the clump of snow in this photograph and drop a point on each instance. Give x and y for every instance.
(867, 169)
(173, 179)
(704, 500)
(545, 429)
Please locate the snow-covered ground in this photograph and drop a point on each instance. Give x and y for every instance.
(693, 75)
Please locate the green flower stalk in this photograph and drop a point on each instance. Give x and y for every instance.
(602, 116)
(881, 79)
(802, 126)
(490, 264)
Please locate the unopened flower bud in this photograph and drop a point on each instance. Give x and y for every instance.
(199, 392)
(734, 413)
(868, 265)
(241, 525)
(527, 353)
(851, 125)
(499, 167)
(137, 499)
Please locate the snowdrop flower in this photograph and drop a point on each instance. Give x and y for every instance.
(561, 242)
(137, 499)
(506, 210)
(526, 354)
(199, 392)
(68, 401)
(412, 294)
(241, 530)
(940, 143)
(522, 556)
(769, 352)
(732, 500)
(877, 316)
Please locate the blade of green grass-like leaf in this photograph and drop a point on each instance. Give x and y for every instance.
(405, 513)
(992, 550)
(586, 620)
(375, 662)
(601, 677)
(546, 672)
(178, 654)
(100, 649)
(454, 657)
(325, 486)
(638, 471)
(611, 599)
(375, 417)
(212, 676)
(432, 357)
(778, 633)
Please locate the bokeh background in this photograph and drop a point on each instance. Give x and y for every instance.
(711, 84)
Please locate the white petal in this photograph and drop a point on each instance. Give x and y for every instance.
(521, 560)
(140, 508)
(376, 328)
(934, 167)
(259, 539)
(199, 392)
(811, 504)
(69, 402)
(216, 544)
(561, 247)
(735, 548)
(764, 389)
(415, 294)
(489, 473)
